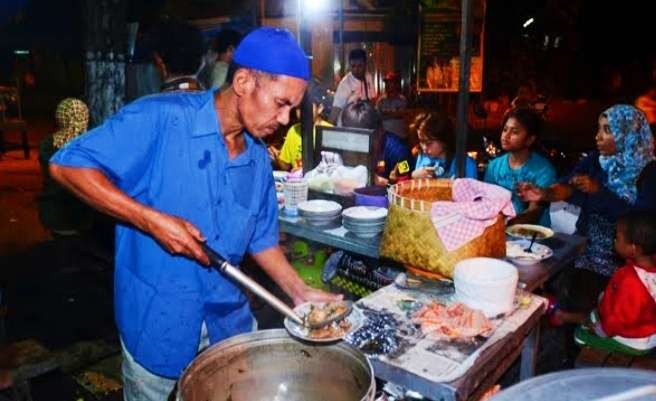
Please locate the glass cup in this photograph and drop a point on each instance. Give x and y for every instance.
(295, 191)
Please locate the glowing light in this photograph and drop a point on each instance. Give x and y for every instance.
(528, 22)
(314, 6)
(21, 52)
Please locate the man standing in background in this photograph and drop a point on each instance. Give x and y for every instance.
(356, 85)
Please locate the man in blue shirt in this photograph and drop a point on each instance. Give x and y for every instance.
(180, 168)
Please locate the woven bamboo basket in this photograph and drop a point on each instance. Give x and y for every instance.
(410, 237)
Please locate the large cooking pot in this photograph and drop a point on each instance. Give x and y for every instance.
(268, 365)
(593, 384)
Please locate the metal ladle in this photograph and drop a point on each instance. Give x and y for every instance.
(219, 263)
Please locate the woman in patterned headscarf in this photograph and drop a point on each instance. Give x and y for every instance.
(619, 176)
(72, 118)
(59, 211)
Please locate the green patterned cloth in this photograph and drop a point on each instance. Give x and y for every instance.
(72, 118)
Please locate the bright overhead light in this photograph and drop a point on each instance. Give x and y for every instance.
(21, 52)
(528, 22)
(313, 6)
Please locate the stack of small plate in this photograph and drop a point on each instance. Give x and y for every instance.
(319, 212)
(364, 221)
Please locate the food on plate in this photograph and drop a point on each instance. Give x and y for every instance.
(452, 322)
(517, 252)
(517, 249)
(524, 232)
(336, 329)
(527, 230)
(326, 312)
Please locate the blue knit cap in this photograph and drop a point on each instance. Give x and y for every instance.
(273, 50)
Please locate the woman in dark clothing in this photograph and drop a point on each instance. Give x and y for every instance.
(618, 177)
(76, 228)
(60, 212)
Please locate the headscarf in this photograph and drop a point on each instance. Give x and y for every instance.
(72, 118)
(634, 150)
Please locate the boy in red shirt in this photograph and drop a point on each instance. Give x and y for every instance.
(626, 317)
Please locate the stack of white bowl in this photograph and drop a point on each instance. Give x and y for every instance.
(486, 284)
(364, 221)
(319, 212)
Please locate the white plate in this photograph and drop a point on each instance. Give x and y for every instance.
(356, 318)
(528, 230)
(515, 252)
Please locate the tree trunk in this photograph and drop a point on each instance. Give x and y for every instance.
(106, 48)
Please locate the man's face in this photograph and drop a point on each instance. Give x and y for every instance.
(357, 68)
(514, 136)
(265, 101)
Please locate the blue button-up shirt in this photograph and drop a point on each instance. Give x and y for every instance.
(166, 151)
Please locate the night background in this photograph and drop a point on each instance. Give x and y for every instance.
(581, 55)
(593, 43)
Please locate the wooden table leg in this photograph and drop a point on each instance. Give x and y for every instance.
(529, 354)
(25, 143)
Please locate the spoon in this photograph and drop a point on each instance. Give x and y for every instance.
(219, 263)
(530, 246)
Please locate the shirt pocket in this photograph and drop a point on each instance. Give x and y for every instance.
(237, 226)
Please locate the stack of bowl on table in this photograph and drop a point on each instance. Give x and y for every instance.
(319, 212)
(364, 221)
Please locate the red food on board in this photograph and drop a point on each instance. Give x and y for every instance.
(450, 322)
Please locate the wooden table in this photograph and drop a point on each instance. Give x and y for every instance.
(486, 371)
(494, 361)
(335, 236)
(565, 248)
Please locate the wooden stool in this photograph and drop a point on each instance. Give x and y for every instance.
(596, 358)
(25, 360)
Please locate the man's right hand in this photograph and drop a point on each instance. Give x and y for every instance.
(177, 235)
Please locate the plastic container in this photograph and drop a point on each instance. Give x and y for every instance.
(371, 196)
(295, 192)
(486, 284)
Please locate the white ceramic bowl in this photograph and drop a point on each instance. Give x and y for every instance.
(319, 207)
(486, 284)
(365, 213)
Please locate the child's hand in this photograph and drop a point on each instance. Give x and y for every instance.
(424, 172)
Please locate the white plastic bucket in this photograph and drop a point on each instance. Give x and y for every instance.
(486, 284)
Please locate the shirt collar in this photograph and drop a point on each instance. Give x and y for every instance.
(207, 121)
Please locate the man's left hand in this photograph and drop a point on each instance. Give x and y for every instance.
(276, 265)
(309, 294)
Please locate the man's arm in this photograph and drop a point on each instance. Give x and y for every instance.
(176, 235)
(275, 264)
(334, 115)
(531, 215)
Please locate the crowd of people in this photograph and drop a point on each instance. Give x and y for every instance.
(176, 184)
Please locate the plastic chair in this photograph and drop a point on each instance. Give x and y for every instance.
(11, 96)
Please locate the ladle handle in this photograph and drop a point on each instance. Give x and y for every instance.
(222, 265)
